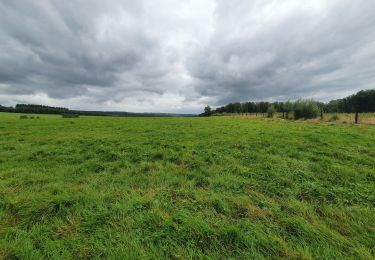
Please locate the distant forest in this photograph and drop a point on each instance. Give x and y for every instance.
(363, 101)
(40, 109)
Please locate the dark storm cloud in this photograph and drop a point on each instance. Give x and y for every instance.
(177, 56)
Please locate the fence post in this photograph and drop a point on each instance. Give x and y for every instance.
(356, 117)
(321, 114)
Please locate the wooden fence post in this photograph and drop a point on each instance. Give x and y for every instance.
(356, 117)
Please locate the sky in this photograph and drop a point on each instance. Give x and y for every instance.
(179, 56)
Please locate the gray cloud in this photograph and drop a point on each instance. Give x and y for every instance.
(60, 53)
(287, 49)
(177, 56)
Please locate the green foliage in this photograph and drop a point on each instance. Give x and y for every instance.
(271, 110)
(363, 101)
(6, 109)
(185, 188)
(305, 109)
(207, 111)
(39, 109)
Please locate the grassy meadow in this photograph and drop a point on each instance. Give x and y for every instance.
(206, 188)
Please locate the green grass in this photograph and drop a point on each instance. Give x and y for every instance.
(105, 187)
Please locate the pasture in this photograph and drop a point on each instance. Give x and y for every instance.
(217, 187)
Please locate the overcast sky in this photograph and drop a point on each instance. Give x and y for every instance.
(178, 56)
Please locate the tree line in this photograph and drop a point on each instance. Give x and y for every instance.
(34, 109)
(41, 109)
(361, 102)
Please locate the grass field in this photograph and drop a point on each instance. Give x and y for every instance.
(220, 187)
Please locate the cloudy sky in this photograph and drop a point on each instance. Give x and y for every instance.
(178, 56)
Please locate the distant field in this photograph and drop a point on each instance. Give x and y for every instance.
(218, 187)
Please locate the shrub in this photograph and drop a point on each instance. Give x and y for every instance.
(334, 118)
(271, 110)
(24, 117)
(70, 115)
(305, 109)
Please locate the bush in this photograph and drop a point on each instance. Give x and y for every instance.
(334, 118)
(70, 115)
(24, 117)
(305, 109)
(271, 110)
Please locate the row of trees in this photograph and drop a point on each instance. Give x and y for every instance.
(39, 109)
(301, 108)
(34, 109)
(255, 107)
(6, 109)
(363, 101)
